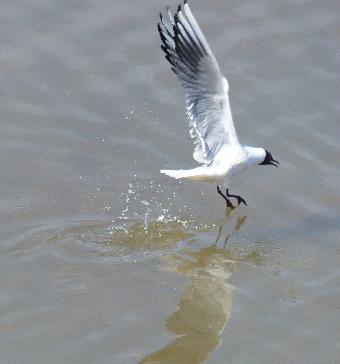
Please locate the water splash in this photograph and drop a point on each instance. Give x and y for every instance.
(147, 203)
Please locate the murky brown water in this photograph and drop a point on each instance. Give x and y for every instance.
(102, 259)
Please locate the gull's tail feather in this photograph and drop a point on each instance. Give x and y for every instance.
(197, 174)
(181, 173)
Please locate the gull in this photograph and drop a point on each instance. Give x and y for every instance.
(216, 145)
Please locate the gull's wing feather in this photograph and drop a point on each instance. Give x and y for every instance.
(205, 88)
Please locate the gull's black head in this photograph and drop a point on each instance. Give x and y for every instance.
(269, 160)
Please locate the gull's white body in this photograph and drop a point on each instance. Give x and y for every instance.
(229, 162)
(207, 102)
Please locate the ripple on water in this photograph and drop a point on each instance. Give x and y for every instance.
(128, 240)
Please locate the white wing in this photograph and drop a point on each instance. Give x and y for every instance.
(205, 88)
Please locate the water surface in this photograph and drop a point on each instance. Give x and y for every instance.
(105, 260)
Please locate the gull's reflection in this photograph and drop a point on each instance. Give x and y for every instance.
(204, 310)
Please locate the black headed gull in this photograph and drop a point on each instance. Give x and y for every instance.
(217, 146)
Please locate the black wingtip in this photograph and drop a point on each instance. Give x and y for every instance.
(164, 49)
(176, 18)
(160, 31)
(161, 16)
(168, 58)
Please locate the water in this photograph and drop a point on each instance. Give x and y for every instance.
(105, 260)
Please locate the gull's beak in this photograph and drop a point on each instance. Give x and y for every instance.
(275, 163)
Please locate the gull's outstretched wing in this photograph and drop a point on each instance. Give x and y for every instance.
(205, 88)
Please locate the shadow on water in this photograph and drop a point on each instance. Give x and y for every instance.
(204, 309)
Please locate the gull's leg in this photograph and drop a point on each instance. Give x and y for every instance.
(238, 198)
(229, 204)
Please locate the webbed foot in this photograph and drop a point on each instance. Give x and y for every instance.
(238, 198)
(228, 202)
